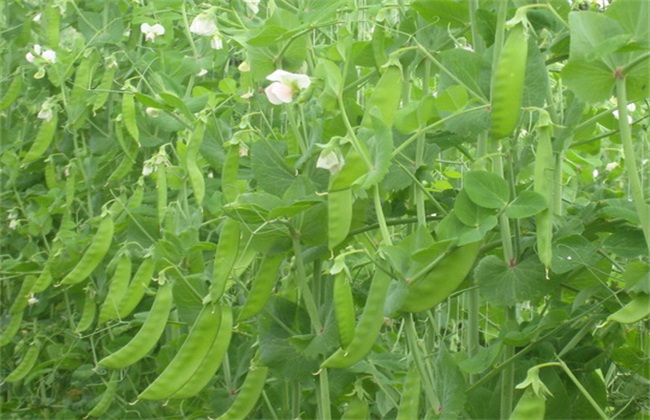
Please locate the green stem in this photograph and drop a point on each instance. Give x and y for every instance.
(301, 279)
(381, 219)
(427, 382)
(508, 374)
(419, 153)
(630, 160)
(583, 391)
(325, 412)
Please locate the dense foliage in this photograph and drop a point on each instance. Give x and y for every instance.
(322, 209)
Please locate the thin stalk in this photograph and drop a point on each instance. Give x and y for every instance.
(419, 152)
(508, 374)
(630, 160)
(583, 391)
(325, 412)
(427, 381)
(301, 279)
(381, 219)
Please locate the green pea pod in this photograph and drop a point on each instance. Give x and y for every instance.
(225, 257)
(94, 254)
(368, 328)
(248, 394)
(21, 301)
(87, 314)
(161, 190)
(409, 406)
(52, 18)
(189, 357)
(386, 96)
(11, 329)
(212, 360)
(229, 174)
(529, 407)
(357, 410)
(50, 174)
(128, 116)
(42, 141)
(26, 365)
(76, 108)
(339, 216)
(104, 87)
(442, 280)
(193, 170)
(12, 92)
(137, 288)
(147, 337)
(263, 285)
(344, 308)
(70, 184)
(107, 398)
(116, 290)
(44, 279)
(508, 83)
(636, 310)
(543, 183)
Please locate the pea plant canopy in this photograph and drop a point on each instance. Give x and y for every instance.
(284, 209)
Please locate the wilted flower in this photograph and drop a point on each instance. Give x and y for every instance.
(244, 67)
(216, 42)
(204, 24)
(253, 5)
(611, 166)
(150, 32)
(284, 86)
(330, 160)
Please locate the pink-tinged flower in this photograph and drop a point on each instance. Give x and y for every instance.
(216, 42)
(253, 5)
(151, 32)
(49, 56)
(30, 57)
(284, 85)
(204, 24)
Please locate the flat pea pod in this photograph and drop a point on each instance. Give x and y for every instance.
(368, 328)
(44, 280)
(263, 285)
(385, 97)
(87, 314)
(21, 301)
(70, 184)
(229, 174)
(77, 109)
(357, 409)
(212, 360)
(52, 18)
(104, 87)
(636, 310)
(225, 257)
(339, 216)
(354, 168)
(12, 92)
(191, 155)
(116, 289)
(11, 329)
(508, 83)
(147, 337)
(543, 183)
(128, 116)
(196, 346)
(248, 394)
(49, 171)
(107, 397)
(137, 288)
(344, 308)
(94, 254)
(135, 201)
(43, 140)
(161, 192)
(409, 406)
(529, 407)
(26, 364)
(442, 280)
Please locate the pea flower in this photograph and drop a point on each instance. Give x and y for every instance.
(203, 24)
(330, 160)
(253, 5)
(47, 55)
(216, 42)
(46, 112)
(284, 85)
(150, 32)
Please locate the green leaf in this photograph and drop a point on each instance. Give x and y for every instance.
(468, 212)
(269, 35)
(486, 189)
(482, 360)
(503, 285)
(380, 146)
(331, 73)
(443, 12)
(449, 384)
(573, 252)
(527, 203)
(269, 168)
(626, 242)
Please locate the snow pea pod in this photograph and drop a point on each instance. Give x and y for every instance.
(248, 394)
(137, 287)
(184, 365)
(43, 139)
(116, 290)
(12, 92)
(636, 310)
(94, 254)
(357, 410)
(543, 183)
(193, 170)
(263, 285)
(225, 257)
(11, 329)
(386, 96)
(409, 405)
(21, 301)
(508, 83)
(147, 337)
(344, 308)
(26, 365)
(529, 407)
(368, 328)
(107, 397)
(87, 314)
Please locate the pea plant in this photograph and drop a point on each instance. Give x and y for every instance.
(325, 209)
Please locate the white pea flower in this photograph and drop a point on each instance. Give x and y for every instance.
(151, 32)
(216, 42)
(45, 113)
(37, 18)
(152, 112)
(611, 166)
(147, 169)
(29, 57)
(284, 85)
(204, 24)
(247, 95)
(330, 160)
(595, 173)
(630, 120)
(32, 300)
(244, 67)
(49, 56)
(202, 73)
(37, 49)
(253, 5)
